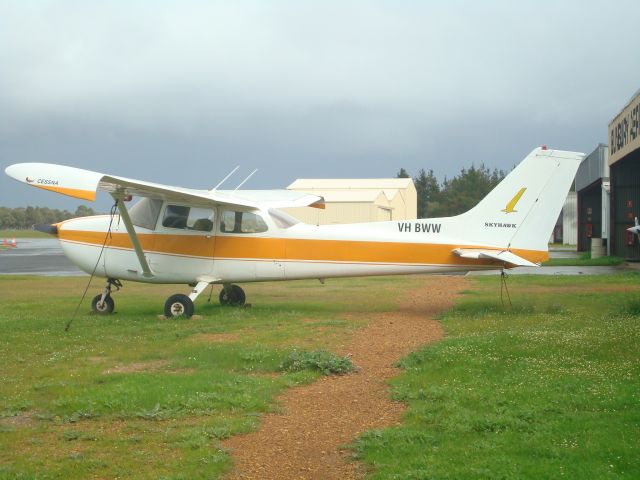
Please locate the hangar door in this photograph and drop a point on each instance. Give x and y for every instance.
(625, 192)
(589, 215)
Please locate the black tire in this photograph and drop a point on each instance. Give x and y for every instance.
(102, 308)
(178, 305)
(234, 298)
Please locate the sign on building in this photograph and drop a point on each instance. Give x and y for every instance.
(624, 131)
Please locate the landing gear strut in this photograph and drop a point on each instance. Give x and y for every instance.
(103, 304)
(232, 295)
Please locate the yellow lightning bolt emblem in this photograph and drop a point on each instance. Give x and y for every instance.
(512, 204)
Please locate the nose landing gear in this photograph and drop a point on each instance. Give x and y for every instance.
(103, 304)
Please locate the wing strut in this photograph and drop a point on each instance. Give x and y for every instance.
(124, 214)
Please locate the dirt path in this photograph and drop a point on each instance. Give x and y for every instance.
(304, 441)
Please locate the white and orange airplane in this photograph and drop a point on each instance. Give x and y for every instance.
(176, 235)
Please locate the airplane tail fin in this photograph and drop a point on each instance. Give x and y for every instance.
(521, 211)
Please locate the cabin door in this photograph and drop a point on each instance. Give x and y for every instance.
(184, 242)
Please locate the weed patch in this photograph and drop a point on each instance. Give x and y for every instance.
(321, 361)
(631, 305)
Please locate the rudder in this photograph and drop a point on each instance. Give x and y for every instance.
(521, 211)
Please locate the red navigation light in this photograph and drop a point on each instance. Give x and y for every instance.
(544, 147)
(128, 198)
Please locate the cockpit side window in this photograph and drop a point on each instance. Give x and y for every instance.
(175, 216)
(201, 219)
(189, 218)
(145, 213)
(241, 222)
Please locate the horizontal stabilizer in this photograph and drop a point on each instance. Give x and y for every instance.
(501, 255)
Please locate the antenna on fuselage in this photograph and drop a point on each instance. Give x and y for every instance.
(225, 178)
(244, 181)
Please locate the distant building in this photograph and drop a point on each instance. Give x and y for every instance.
(358, 200)
(624, 163)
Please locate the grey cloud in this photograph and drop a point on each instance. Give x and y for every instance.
(298, 89)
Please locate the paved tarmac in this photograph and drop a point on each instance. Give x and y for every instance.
(555, 271)
(36, 256)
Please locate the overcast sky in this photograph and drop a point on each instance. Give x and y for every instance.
(182, 92)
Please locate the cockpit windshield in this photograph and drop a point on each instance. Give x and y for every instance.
(145, 213)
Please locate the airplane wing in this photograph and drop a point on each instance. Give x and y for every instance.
(505, 256)
(83, 184)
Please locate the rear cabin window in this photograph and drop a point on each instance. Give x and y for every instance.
(188, 218)
(241, 222)
(145, 213)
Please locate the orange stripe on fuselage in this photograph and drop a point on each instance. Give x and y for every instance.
(292, 249)
(71, 192)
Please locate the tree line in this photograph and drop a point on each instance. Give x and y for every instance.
(452, 196)
(25, 218)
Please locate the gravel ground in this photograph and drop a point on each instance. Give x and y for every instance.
(304, 441)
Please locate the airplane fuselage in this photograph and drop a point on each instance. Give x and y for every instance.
(295, 251)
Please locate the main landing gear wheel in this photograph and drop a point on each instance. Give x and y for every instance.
(102, 307)
(178, 305)
(232, 295)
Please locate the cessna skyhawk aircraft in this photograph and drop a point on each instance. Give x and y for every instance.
(200, 237)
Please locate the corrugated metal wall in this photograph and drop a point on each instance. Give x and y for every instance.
(570, 220)
(336, 213)
(405, 204)
(359, 204)
(592, 212)
(589, 215)
(625, 200)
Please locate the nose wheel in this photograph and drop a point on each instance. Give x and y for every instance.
(103, 304)
(232, 295)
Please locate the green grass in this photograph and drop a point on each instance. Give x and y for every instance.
(23, 234)
(548, 389)
(133, 396)
(584, 259)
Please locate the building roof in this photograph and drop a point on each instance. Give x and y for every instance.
(595, 166)
(349, 183)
